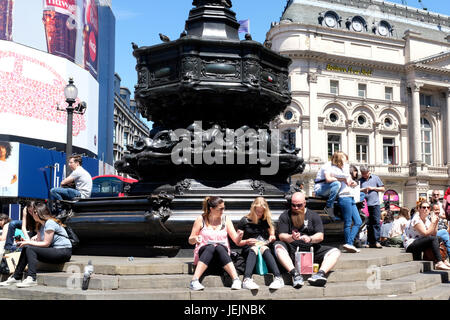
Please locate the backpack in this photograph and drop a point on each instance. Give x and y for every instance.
(72, 236)
(447, 208)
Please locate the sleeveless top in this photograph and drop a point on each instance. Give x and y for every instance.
(212, 236)
(411, 234)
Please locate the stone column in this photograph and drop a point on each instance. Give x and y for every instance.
(415, 141)
(447, 124)
(313, 117)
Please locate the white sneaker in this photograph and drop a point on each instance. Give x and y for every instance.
(249, 284)
(195, 285)
(11, 280)
(277, 283)
(350, 248)
(237, 284)
(28, 282)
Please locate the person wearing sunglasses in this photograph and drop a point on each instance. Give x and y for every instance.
(302, 228)
(420, 234)
(210, 234)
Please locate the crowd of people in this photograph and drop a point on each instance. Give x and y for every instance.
(299, 228)
(44, 239)
(41, 237)
(418, 230)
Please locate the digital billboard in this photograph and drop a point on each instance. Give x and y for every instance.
(9, 169)
(32, 102)
(65, 28)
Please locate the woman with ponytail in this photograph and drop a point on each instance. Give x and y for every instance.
(210, 236)
(50, 245)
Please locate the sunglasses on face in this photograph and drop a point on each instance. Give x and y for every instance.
(425, 207)
(297, 205)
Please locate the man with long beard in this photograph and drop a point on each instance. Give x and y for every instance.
(302, 228)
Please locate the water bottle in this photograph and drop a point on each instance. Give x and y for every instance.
(88, 271)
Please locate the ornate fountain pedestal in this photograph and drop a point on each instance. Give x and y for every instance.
(211, 97)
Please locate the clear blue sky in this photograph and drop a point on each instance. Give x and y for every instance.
(141, 21)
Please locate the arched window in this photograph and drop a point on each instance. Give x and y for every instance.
(358, 24)
(331, 19)
(289, 138)
(426, 133)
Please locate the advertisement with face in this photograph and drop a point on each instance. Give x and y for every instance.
(9, 169)
(65, 28)
(32, 102)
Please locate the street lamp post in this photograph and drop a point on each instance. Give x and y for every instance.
(71, 93)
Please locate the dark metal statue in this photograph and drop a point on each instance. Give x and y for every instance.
(211, 97)
(225, 3)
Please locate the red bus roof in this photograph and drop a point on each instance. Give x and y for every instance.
(127, 180)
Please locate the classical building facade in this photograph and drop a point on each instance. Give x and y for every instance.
(370, 78)
(128, 124)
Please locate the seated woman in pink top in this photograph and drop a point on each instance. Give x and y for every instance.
(210, 236)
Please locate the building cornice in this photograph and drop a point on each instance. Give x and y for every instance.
(326, 57)
(435, 58)
(380, 65)
(338, 34)
(360, 101)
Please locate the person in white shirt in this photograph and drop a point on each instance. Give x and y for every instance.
(79, 176)
(346, 200)
(398, 227)
(420, 234)
(328, 183)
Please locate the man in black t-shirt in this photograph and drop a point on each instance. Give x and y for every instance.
(301, 228)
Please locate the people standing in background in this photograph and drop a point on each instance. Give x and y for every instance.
(371, 184)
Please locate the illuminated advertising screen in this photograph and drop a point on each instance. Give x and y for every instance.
(32, 102)
(9, 169)
(65, 28)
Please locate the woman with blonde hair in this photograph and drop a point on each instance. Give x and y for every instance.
(50, 245)
(346, 200)
(327, 183)
(210, 236)
(259, 234)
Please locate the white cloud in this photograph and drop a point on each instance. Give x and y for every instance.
(125, 14)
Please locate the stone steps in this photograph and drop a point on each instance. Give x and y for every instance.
(165, 281)
(421, 285)
(372, 274)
